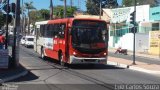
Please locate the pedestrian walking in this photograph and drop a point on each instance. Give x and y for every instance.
(2, 40)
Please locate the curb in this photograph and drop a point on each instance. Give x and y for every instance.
(132, 67)
(14, 77)
(140, 55)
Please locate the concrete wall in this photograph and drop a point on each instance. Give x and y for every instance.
(126, 42)
(154, 42)
(110, 43)
(123, 14)
(142, 42)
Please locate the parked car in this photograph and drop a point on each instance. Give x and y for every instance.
(22, 42)
(27, 41)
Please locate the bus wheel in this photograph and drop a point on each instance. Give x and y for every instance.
(42, 54)
(61, 59)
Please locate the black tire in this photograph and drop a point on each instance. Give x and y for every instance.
(61, 59)
(26, 46)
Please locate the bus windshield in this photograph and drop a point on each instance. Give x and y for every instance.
(89, 34)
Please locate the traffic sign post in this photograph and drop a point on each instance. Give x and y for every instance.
(133, 21)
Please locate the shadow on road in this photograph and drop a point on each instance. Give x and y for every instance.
(29, 77)
(55, 63)
(93, 67)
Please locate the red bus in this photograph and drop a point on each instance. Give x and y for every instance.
(72, 40)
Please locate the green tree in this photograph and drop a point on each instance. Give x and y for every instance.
(29, 6)
(34, 16)
(93, 6)
(58, 11)
(140, 2)
(45, 14)
(127, 3)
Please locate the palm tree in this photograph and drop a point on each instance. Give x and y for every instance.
(28, 6)
(64, 8)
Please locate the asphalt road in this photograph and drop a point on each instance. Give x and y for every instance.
(49, 75)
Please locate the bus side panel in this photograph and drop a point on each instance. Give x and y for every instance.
(62, 46)
(51, 53)
(40, 43)
(55, 48)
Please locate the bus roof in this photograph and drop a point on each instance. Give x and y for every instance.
(41, 22)
(63, 20)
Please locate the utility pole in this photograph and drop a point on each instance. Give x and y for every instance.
(134, 31)
(71, 3)
(15, 48)
(65, 9)
(28, 22)
(100, 9)
(22, 29)
(6, 41)
(51, 10)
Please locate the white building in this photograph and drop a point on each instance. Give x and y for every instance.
(119, 33)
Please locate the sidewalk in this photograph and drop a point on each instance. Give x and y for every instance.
(11, 74)
(140, 54)
(140, 66)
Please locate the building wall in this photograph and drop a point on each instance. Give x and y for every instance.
(145, 27)
(119, 15)
(154, 42)
(154, 14)
(126, 42)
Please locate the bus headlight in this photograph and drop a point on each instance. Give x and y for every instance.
(105, 54)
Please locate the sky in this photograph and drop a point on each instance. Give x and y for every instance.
(39, 4)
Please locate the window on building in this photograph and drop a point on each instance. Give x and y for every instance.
(155, 26)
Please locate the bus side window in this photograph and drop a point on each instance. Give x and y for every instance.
(41, 31)
(62, 30)
(46, 31)
(56, 29)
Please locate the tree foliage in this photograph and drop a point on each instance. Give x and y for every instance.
(93, 6)
(29, 5)
(127, 3)
(58, 11)
(35, 16)
(45, 14)
(140, 2)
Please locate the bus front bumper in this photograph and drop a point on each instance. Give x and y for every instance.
(83, 60)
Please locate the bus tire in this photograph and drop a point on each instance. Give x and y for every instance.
(42, 54)
(61, 59)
